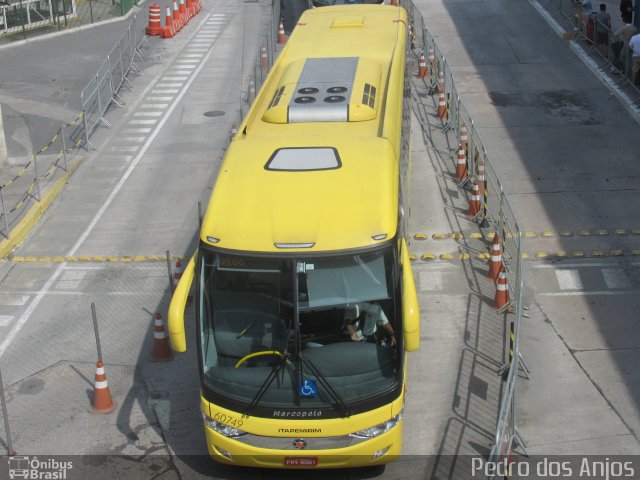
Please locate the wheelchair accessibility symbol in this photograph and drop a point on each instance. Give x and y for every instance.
(308, 389)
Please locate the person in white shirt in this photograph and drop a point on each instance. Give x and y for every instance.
(362, 320)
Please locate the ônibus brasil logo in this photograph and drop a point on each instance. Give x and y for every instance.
(36, 469)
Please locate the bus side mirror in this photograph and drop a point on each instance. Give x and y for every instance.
(177, 306)
(410, 306)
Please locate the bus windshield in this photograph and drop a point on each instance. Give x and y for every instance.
(308, 332)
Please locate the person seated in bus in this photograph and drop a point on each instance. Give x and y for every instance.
(361, 322)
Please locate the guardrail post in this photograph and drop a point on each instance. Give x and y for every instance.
(35, 170)
(4, 212)
(95, 329)
(170, 272)
(11, 451)
(64, 148)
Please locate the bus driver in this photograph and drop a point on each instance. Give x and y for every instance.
(362, 320)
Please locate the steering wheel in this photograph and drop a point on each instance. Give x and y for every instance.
(258, 354)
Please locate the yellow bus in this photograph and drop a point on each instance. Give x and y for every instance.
(304, 294)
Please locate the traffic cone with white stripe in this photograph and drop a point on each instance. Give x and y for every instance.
(168, 31)
(234, 130)
(422, 66)
(177, 21)
(464, 136)
(461, 165)
(154, 28)
(264, 59)
(251, 96)
(502, 290)
(442, 105)
(281, 36)
(182, 11)
(474, 202)
(102, 401)
(161, 350)
(432, 58)
(441, 81)
(177, 274)
(495, 262)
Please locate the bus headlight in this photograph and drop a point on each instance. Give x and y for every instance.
(378, 429)
(222, 428)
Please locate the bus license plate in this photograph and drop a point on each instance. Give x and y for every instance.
(300, 461)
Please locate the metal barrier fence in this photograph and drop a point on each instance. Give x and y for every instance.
(264, 58)
(24, 19)
(613, 52)
(495, 214)
(102, 90)
(25, 187)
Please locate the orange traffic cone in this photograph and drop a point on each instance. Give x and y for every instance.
(161, 350)
(264, 59)
(102, 402)
(177, 274)
(482, 181)
(251, 96)
(464, 136)
(495, 262)
(168, 31)
(182, 11)
(422, 66)
(432, 58)
(154, 28)
(441, 81)
(461, 165)
(177, 22)
(442, 105)
(502, 290)
(281, 37)
(474, 203)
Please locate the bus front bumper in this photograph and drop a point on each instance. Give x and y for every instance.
(374, 451)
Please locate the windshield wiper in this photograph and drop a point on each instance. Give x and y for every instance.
(265, 385)
(344, 408)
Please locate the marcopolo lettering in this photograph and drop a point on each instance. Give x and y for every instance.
(297, 413)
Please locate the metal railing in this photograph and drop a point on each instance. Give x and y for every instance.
(25, 187)
(495, 214)
(613, 53)
(24, 19)
(102, 90)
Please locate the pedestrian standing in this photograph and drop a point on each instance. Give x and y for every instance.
(626, 7)
(603, 27)
(634, 45)
(620, 47)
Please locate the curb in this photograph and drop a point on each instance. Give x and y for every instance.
(622, 97)
(30, 219)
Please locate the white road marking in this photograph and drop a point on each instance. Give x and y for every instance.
(148, 114)
(142, 122)
(170, 85)
(615, 278)
(138, 130)
(180, 78)
(157, 106)
(188, 60)
(160, 99)
(574, 265)
(49, 283)
(122, 148)
(5, 320)
(196, 55)
(132, 139)
(13, 300)
(569, 280)
(164, 90)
